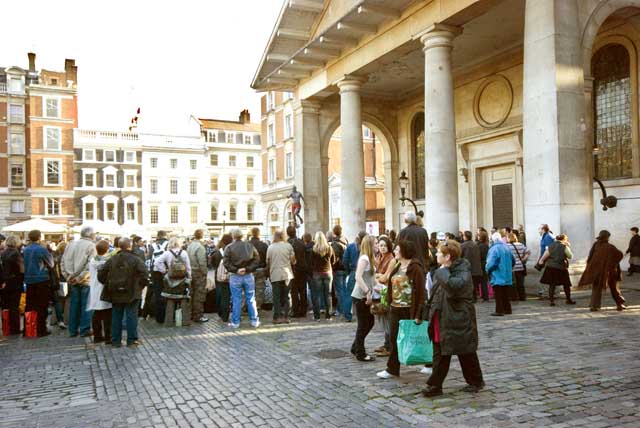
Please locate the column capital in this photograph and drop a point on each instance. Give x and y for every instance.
(438, 35)
(350, 83)
(306, 106)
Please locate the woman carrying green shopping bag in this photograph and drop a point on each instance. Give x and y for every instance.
(452, 321)
(406, 294)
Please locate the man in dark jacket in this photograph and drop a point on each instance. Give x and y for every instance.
(241, 260)
(124, 276)
(261, 247)
(471, 252)
(634, 252)
(339, 245)
(300, 269)
(416, 234)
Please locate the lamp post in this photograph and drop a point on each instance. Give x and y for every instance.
(224, 221)
(404, 184)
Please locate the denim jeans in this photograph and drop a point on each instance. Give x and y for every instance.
(346, 295)
(238, 285)
(281, 299)
(79, 316)
(321, 295)
(130, 312)
(339, 277)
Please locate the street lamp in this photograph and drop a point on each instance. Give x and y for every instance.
(404, 184)
(224, 220)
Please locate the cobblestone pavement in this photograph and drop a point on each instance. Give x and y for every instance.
(558, 367)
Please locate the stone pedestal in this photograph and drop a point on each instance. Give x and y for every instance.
(557, 174)
(352, 195)
(441, 176)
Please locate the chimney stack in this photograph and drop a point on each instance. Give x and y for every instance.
(32, 61)
(245, 117)
(71, 70)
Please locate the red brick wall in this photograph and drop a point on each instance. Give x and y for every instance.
(279, 127)
(280, 163)
(265, 172)
(4, 176)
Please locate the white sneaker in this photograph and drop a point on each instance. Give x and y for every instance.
(255, 324)
(426, 370)
(232, 325)
(62, 325)
(384, 375)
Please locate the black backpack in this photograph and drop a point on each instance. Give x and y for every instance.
(121, 283)
(338, 250)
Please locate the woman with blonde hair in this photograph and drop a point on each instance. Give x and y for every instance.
(322, 257)
(362, 297)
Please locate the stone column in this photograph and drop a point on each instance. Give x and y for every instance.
(441, 175)
(324, 162)
(308, 166)
(352, 198)
(557, 178)
(391, 195)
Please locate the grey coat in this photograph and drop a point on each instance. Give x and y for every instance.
(452, 301)
(471, 252)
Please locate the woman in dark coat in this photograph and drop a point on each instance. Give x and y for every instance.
(452, 321)
(223, 293)
(13, 269)
(603, 270)
(556, 260)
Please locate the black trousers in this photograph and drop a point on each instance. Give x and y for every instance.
(101, 325)
(484, 287)
(477, 285)
(395, 315)
(503, 303)
(552, 292)
(225, 300)
(11, 302)
(597, 288)
(365, 324)
(519, 285)
(38, 296)
(299, 302)
(468, 362)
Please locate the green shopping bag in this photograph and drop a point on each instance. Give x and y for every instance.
(414, 345)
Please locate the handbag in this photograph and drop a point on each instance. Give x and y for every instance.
(414, 345)
(524, 272)
(31, 324)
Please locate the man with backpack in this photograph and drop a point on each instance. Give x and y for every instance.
(259, 275)
(198, 259)
(175, 267)
(124, 276)
(241, 259)
(339, 245)
(157, 249)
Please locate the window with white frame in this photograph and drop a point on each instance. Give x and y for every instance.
(173, 186)
(232, 160)
(233, 211)
(109, 179)
(249, 161)
(153, 214)
(130, 180)
(173, 163)
(213, 160)
(271, 100)
(109, 156)
(212, 136)
(249, 184)
(16, 86)
(214, 212)
(247, 139)
(53, 206)
(52, 172)
(288, 161)
(89, 155)
(130, 157)
(52, 138)
(193, 163)
(233, 186)
(89, 210)
(52, 107)
(230, 137)
(17, 175)
(110, 211)
(89, 178)
(16, 143)
(131, 211)
(214, 184)
(288, 96)
(366, 132)
(193, 187)
(153, 186)
(193, 213)
(271, 172)
(16, 113)
(271, 135)
(173, 214)
(17, 206)
(154, 162)
(251, 208)
(288, 126)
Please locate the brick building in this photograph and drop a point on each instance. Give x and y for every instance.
(38, 111)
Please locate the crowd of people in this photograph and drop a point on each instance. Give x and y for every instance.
(385, 279)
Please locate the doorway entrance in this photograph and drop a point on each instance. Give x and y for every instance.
(499, 185)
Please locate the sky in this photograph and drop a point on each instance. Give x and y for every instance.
(170, 58)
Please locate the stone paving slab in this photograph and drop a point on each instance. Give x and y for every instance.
(558, 367)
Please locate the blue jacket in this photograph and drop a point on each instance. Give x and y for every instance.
(500, 263)
(545, 241)
(36, 260)
(350, 257)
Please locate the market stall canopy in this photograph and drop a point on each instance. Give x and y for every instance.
(42, 225)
